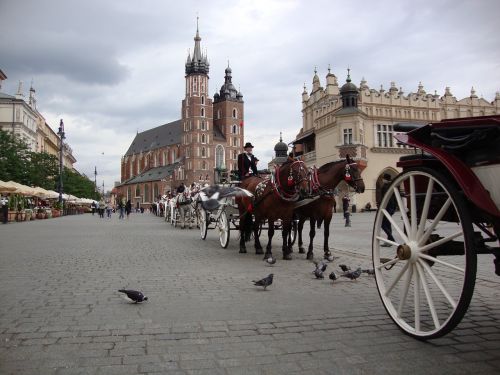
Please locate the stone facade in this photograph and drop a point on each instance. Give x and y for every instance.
(22, 117)
(200, 146)
(332, 127)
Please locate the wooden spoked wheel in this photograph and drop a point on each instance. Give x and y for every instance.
(426, 276)
(224, 230)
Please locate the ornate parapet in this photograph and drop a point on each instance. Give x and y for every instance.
(356, 151)
(393, 150)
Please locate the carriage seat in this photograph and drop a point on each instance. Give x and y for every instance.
(418, 156)
(405, 127)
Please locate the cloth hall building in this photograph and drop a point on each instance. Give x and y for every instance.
(196, 148)
(358, 121)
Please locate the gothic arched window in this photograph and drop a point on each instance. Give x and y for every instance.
(203, 152)
(203, 112)
(219, 156)
(235, 113)
(147, 198)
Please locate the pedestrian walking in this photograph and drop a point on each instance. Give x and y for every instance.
(108, 210)
(390, 208)
(4, 202)
(102, 207)
(128, 208)
(345, 207)
(121, 208)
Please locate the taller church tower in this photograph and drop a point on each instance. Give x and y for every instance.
(197, 115)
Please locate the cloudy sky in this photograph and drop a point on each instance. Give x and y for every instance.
(112, 68)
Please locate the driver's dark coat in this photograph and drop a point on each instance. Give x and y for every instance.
(245, 165)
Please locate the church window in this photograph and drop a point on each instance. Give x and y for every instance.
(203, 112)
(219, 156)
(384, 136)
(156, 191)
(203, 125)
(203, 100)
(147, 197)
(234, 129)
(235, 141)
(203, 152)
(203, 138)
(129, 193)
(218, 114)
(348, 136)
(235, 154)
(235, 113)
(138, 191)
(204, 165)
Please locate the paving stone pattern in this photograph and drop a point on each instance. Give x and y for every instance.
(61, 313)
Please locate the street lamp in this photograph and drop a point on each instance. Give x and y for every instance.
(61, 135)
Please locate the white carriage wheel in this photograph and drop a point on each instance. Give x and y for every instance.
(224, 230)
(293, 232)
(202, 220)
(425, 291)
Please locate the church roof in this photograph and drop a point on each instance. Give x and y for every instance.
(153, 174)
(161, 136)
(6, 96)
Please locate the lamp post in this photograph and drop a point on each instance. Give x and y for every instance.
(61, 135)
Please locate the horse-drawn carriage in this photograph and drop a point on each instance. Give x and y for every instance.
(226, 218)
(448, 199)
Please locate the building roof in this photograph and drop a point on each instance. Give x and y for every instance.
(161, 136)
(153, 174)
(6, 96)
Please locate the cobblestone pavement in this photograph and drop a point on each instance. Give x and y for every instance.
(61, 313)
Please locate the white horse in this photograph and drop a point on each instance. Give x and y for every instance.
(183, 204)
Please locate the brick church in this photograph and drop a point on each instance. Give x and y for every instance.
(200, 147)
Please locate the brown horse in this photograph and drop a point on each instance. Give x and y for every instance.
(274, 198)
(320, 210)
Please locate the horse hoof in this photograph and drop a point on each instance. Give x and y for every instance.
(287, 256)
(310, 256)
(302, 250)
(259, 251)
(328, 256)
(243, 251)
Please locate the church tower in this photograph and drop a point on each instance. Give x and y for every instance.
(228, 122)
(197, 115)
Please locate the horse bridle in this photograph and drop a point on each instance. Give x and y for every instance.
(291, 181)
(347, 175)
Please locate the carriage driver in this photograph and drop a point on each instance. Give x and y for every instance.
(247, 162)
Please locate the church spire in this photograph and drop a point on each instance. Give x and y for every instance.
(198, 63)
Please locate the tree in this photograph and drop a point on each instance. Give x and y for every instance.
(78, 185)
(42, 170)
(14, 158)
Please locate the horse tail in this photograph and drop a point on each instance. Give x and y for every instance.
(319, 222)
(247, 225)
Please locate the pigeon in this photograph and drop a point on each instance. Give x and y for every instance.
(353, 275)
(344, 268)
(212, 195)
(271, 260)
(333, 276)
(320, 268)
(133, 295)
(265, 282)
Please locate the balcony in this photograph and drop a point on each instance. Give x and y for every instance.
(309, 157)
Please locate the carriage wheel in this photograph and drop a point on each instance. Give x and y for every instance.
(293, 233)
(202, 220)
(425, 278)
(224, 230)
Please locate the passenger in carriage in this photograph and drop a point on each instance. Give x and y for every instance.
(247, 162)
